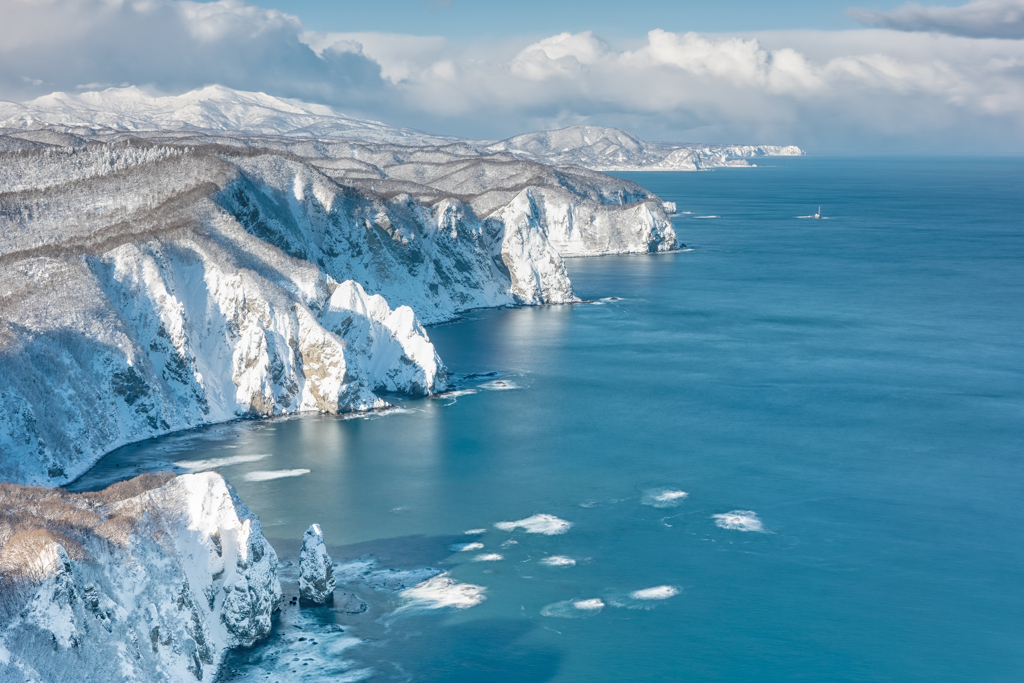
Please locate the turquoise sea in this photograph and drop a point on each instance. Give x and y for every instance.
(849, 392)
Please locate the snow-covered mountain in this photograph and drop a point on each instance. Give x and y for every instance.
(611, 149)
(213, 108)
(220, 110)
(152, 579)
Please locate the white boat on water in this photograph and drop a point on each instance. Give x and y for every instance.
(817, 216)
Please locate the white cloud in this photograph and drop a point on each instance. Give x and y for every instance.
(976, 19)
(862, 89)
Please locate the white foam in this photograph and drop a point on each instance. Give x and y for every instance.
(475, 532)
(739, 520)
(499, 385)
(558, 561)
(663, 497)
(573, 609)
(213, 463)
(453, 395)
(548, 525)
(442, 591)
(655, 593)
(268, 475)
(509, 543)
(489, 557)
(464, 547)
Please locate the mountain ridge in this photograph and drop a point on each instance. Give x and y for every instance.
(216, 109)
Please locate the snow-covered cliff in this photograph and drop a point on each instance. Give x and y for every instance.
(146, 288)
(150, 580)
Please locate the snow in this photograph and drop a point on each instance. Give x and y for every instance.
(196, 579)
(316, 575)
(152, 291)
(216, 109)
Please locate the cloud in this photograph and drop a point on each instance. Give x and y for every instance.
(867, 89)
(976, 19)
(171, 46)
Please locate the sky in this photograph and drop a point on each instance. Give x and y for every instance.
(828, 76)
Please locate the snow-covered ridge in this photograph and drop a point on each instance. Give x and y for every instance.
(148, 287)
(213, 108)
(149, 580)
(218, 110)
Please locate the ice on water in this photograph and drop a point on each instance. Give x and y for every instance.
(548, 525)
(739, 520)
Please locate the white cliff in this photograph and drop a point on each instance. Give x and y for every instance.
(316, 572)
(147, 288)
(150, 580)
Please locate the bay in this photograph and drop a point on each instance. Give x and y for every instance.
(855, 385)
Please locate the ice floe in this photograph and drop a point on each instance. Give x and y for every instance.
(663, 497)
(655, 593)
(573, 609)
(475, 532)
(558, 561)
(488, 557)
(739, 520)
(548, 525)
(442, 591)
(214, 463)
(268, 475)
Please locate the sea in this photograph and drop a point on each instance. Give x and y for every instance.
(793, 451)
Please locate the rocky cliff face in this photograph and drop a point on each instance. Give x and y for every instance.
(148, 288)
(316, 573)
(151, 580)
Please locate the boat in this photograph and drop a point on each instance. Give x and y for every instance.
(818, 215)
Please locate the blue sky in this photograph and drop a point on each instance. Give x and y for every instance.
(888, 77)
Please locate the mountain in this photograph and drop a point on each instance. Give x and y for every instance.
(217, 110)
(213, 108)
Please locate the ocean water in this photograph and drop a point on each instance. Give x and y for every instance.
(794, 452)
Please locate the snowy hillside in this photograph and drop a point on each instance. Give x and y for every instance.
(611, 149)
(147, 288)
(214, 108)
(152, 579)
(220, 110)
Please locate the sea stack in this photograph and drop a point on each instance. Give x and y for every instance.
(316, 576)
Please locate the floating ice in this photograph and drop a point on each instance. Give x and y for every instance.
(267, 475)
(475, 532)
(538, 524)
(213, 463)
(558, 561)
(488, 557)
(442, 591)
(663, 497)
(739, 520)
(573, 609)
(655, 593)
(463, 547)
(592, 604)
